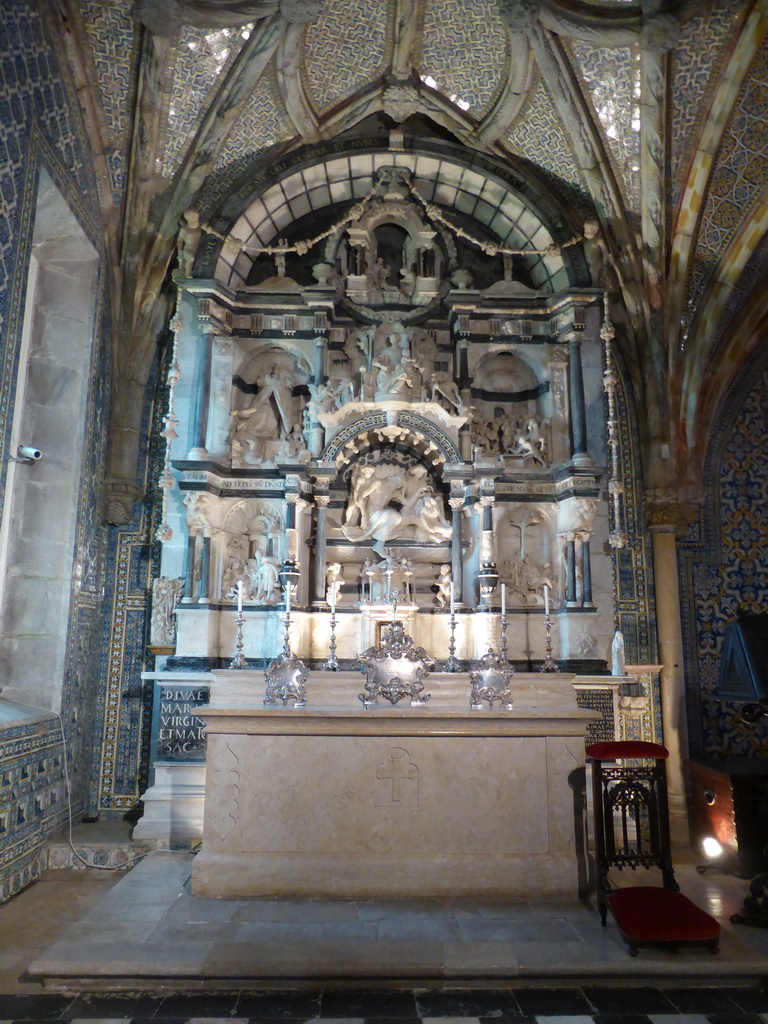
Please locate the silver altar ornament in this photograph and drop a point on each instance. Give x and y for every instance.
(395, 669)
(490, 678)
(286, 678)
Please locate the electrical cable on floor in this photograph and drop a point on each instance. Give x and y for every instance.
(65, 766)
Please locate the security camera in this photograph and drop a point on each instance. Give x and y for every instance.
(28, 454)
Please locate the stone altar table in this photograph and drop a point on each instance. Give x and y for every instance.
(333, 800)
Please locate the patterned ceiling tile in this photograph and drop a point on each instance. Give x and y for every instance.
(344, 49)
(694, 65)
(739, 177)
(538, 135)
(109, 27)
(464, 50)
(202, 57)
(262, 124)
(612, 79)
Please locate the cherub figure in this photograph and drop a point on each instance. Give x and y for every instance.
(443, 587)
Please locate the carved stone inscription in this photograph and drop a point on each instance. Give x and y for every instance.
(180, 733)
(397, 780)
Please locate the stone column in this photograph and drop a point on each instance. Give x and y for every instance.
(189, 568)
(570, 571)
(457, 547)
(586, 571)
(322, 501)
(205, 570)
(667, 517)
(321, 346)
(579, 451)
(199, 430)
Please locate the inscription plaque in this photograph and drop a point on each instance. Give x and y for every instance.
(179, 735)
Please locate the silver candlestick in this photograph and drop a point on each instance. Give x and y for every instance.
(239, 660)
(503, 630)
(452, 662)
(332, 664)
(549, 662)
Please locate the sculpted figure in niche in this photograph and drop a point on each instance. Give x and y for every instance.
(166, 594)
(271, 416)
(262, 579)
(531, 444)
(393, 504)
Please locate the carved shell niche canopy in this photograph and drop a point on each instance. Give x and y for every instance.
(253, 518)
(504, 371)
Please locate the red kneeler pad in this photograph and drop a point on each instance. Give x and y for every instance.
(648, 915)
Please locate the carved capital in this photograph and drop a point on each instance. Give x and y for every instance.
(667, 508)
(322, 500)
(456, 504)
(119, 501)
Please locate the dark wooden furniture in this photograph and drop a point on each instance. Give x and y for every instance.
(631, 815)
(729, 801)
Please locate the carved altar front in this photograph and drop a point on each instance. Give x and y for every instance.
(335, 801)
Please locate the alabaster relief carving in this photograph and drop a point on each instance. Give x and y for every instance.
(266, 418)
(525, 538)
(251, 535)
(166, 594)
(398, 779)
(388, 501)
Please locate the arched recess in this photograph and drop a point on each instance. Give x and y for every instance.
(423, 436)
(507, 204)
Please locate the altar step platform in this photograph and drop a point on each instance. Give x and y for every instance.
(149, 933)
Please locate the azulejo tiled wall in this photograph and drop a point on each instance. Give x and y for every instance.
(40, 125)
(723, 565)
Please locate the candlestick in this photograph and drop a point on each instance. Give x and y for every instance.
(332, 663)
(452, 663)
(239, 659)
(239, 597)
(549, 664)
(503, 622)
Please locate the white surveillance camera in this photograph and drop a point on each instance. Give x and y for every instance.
(28, 454)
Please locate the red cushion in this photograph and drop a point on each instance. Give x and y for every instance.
(618, 750)
(647, 913)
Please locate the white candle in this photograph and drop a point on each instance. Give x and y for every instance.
(546, 600)
(453, 603)
(287, 598)
(503, 599)
(239, 597)
(333, 599)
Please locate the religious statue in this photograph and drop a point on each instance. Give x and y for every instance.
(188, 242)
(272, 415)
(334, 575)
(444, 385)
(393, 503)
(531, 444)
(262, 581)
(166, 594)
(443, 587)
(618, 666)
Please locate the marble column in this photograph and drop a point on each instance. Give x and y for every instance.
(570, 571)
(322, 501)
(321, 346)
(205, 570)
(666, 517)
(457, 547)
(199, 429)
(189, 568)
(586, 571)
(579, 451)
